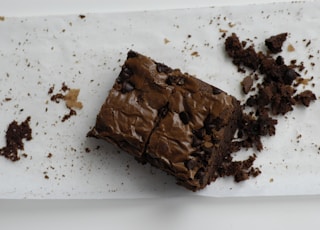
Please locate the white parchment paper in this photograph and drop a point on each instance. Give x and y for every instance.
(37, 53)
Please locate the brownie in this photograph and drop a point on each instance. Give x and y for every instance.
(169, 119)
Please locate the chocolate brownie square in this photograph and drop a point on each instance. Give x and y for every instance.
(169, 119)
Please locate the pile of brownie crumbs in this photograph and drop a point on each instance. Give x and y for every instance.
(70, 96)
(14, 139)
(272, 91)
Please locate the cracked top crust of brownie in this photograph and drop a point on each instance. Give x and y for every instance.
(169, 119)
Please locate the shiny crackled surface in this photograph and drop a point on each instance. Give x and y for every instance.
(169, 119)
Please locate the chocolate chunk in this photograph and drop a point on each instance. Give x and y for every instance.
(290, 76)
(196, 141)
(279, 60)
(216, 90)
(131, 54)
(125, 74)
(199, 133)
(162, 68)
(200, 175)
(127, 87)
(175, 80)
(190, 164)
(163, 111)
(184, 117)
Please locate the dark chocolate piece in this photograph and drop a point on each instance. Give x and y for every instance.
(169, 119)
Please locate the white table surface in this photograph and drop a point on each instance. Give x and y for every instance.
(160, 213)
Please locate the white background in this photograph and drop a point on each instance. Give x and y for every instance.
(160, 213)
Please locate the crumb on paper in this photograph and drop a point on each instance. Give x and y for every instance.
(82, 16)
(290, 48)
(195, 54)
(14, 139)
(71, 113)
(71, 99)
(166, 41)
(70, 96)
(223, 31)
(231, 24)
(2, 18)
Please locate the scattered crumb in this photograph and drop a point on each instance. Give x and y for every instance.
(231, 24)
(50, 91)
(308, 43)
(276, 95)
(223, 31)
(14, 139)
(246, 84)
(70, 96)
(290, 48)
(274, 43)
(64, 87)
(166, 41)
(271, 180)
(67, 116)
(81, 16)
(2, 18)
(71, 99)
(49, 155)
(195, 54)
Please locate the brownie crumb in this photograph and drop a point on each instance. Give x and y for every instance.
(82, 16)
(49, 155)
(166, 40)
(70, 96)
(2, 18)
(240, 170)
(276, 95)
(195, 54)
(50, 91)
(57, 97)
(14, 139)
(274, 43)
(305, 97)
(64, 87)
(71, 113)
(71, 99)
(240, 55)
(246, 84)
(290, 48)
